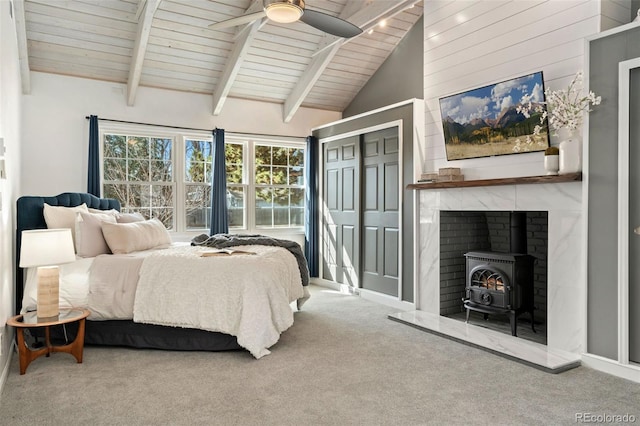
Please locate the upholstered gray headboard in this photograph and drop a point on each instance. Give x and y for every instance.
(29, 215)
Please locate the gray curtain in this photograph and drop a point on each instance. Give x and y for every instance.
(219, 210)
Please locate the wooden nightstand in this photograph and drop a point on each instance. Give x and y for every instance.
(31, 320)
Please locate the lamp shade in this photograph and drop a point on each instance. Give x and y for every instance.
(46, 247)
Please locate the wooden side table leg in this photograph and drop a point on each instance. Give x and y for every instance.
(26, 354)
(47, 341)
(77, 348)
(22, 351)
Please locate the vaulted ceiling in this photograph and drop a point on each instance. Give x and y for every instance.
(168, 44)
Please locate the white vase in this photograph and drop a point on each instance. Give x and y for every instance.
(552, 164)
(570, 154)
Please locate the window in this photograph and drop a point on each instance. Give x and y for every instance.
(168, 176)
(138, 171)
(197, 177)
(234, 154)
(265, 183)
(279, 186)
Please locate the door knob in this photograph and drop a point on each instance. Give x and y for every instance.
(636, 230)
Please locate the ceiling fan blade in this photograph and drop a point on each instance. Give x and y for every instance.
(233, 22)
(330, 24)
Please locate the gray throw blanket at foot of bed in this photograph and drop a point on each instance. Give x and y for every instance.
(232, 240)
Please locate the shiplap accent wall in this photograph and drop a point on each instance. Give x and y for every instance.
(472, 44)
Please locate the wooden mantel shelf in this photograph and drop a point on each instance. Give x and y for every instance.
(570, 177)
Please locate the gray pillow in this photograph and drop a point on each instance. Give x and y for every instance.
(89, 239)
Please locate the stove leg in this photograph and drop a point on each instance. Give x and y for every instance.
(514, 323)
(468, 310)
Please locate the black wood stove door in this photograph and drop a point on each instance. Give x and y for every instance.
(489, 286)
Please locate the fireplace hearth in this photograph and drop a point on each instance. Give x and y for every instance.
(451, 224)
(500, 283)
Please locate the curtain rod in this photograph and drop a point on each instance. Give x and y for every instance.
(191, 128)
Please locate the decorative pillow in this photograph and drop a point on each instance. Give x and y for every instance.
(63, 217)
(129, 217)
(125, 238)
(112, 212)
(89, 239)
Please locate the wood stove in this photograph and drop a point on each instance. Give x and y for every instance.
(500, 283)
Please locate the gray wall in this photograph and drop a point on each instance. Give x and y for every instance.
(399, 78)
(404, 113)
(602, 269)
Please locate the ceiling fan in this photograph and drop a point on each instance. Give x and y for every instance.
(287, 11)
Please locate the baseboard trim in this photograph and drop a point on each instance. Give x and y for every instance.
(326, 283)
(5, 370)
(613, 367)
(383, 299)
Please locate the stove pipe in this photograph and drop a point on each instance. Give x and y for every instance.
(518, 236)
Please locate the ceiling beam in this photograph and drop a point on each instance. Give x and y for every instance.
(140, 48)
(364, 14)
(140, 9)
(243, 39)
(23, 52)
(309, 77)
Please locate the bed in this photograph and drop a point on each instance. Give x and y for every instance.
(217, 303)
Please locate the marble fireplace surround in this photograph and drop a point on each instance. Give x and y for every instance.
(566, 291)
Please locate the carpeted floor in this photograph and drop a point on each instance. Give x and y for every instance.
(342, 363)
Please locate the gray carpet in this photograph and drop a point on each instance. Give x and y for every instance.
(342, 363)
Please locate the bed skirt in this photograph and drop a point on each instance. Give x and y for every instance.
(146, 336)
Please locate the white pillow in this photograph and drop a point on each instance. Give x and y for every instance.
(63, 217)
(129, 217)
(125, 238)
(120, 217)
(112, 212)
(89, 239)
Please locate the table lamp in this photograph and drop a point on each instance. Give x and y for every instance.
(46, 249)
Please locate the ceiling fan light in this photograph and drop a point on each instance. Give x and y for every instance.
(285, 12)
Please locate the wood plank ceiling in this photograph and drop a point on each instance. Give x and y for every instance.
(168, 44)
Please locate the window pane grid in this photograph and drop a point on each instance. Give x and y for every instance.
(279, 186)
(139, 171)
(197, 183)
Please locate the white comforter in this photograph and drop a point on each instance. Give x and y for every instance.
(247, 296)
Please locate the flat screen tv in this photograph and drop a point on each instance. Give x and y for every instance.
(484, 122)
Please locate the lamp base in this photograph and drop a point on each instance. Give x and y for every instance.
(48, 292)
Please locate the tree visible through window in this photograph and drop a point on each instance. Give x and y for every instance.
(138, 171)
(279, 186)
(197, 178)
(168, 177)
(236, 188)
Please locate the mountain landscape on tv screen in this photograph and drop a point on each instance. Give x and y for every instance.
(485, 122)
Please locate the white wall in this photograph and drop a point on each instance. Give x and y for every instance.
(470, 44)
(10, 131)
(55, 132)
